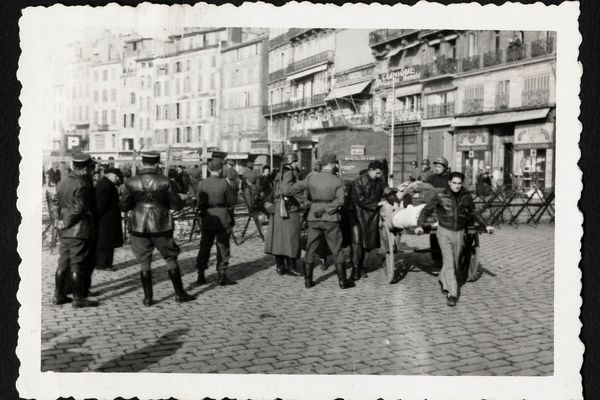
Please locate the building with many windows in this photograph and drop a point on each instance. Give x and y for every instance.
(243, 92)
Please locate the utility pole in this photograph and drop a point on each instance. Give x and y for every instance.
(270, 135)
(391, 172)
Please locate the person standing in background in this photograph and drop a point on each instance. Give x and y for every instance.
(110, 233)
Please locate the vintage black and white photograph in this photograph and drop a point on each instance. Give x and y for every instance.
(297, 203)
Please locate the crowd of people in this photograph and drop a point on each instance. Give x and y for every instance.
(333, 214)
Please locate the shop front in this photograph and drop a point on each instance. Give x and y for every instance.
(534, 155)
(473, 153)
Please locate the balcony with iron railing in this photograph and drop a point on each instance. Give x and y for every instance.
(441, 66)
(542, 47)
(381, 36)
(502, 101)
(440, 110)
(535, 97)
(305, 102)
(403, 116)
(471, 106)
(319, 58)
(277, 75)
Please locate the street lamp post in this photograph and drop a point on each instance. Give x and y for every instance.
(391, 174)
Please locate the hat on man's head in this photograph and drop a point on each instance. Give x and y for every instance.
(215, 164)
(442, 161)
(230, 162)
(456, 174)
(425, 162)
(150, 157)
(82, 160)
(414, 164)
(328, 158)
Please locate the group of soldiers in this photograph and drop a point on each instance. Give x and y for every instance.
(336, 214)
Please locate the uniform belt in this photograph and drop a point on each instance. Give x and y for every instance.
(321, 201)
(217, 206)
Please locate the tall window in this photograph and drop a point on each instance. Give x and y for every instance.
(99, 139)
(188, 134)
(104, 117)
(131, 120)
(124, 120)
(95, 117)
(199, 133)
(132, 98)
(199, 109)
(212, 107)
(166, 88)
(104, 74)
(177, 115)
(199, 83)
(212, 80)
(113, 116)
(104, 96)
(157, 89)
(177, 135)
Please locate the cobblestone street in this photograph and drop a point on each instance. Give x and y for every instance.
(502, 324)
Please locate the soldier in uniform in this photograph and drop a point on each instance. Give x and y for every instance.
(426, 168)
(215, 201)
(283, 233)
(149, 195)
(414, 174)
(73, 208)
(326, 194)
(231, 174)
(249, 185)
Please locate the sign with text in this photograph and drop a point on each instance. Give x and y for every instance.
(357, 150)
(534, 136)
(405, 74)
(473, 139)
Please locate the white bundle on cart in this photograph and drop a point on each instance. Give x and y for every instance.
(405, 217)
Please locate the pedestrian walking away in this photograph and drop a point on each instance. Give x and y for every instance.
(110, 233)
(73, 208)
(149, 196)
(285, 221)
(326, 193)
(367, 192)
(455, 210)
(216, 198)
(439, 180)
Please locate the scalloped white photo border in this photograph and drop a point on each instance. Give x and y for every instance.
(40, 25)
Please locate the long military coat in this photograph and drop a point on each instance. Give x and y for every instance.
(366, 193)
(283, 233)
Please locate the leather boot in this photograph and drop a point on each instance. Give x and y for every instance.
(146, 277)
(60, 278)
(354, 273)
(201, 280)
(79, 292)
(341, 273)
(223, 280)
(280, 261)
(181, 296)
(308, 275)
(291, 267)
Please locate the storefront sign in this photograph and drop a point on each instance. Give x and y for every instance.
(259, 149)
(473, 139)
(357, 150)
(400, 75)
(426, 123)
(359, 158)
(534, 136)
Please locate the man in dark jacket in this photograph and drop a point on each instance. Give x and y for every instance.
(439, 180)
(216, 198)
(325, 190)
(73, 208)
(367, 192)
(149, 196)
(455, 210)
(110, 232)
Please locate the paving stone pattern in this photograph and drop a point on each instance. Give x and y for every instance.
(502, 324)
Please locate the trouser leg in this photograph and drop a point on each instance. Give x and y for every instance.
(280, 264)
(357, 256)
(436, 252)
(223, 254)
(61, 276)
(207, 239)
(146, 278)
(333, 235)
(174, 272)
(450, 245)
(79, 289)
(291, 266)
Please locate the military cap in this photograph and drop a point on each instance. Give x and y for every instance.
(425, 162)
(441, 160)
(150, 157)
(82, 160)
(215, 164)
(289, 158)
(329, 158)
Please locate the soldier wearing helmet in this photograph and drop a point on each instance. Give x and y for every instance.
(283, 233)
(426, 171)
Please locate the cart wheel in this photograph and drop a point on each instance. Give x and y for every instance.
(390, 262)
(473, 267)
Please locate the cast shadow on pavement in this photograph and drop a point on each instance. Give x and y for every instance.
(70, 361)
(139, 360)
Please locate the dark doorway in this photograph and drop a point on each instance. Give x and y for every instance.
(508, 164)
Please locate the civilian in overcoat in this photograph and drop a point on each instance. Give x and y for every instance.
(110, 232)
(367, 192)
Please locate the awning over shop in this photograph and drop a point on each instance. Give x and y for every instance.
(501, 118)
(350, 90)
(307, 72)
